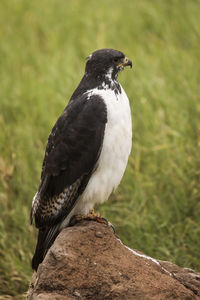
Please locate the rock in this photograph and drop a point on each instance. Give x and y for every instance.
(88, 261)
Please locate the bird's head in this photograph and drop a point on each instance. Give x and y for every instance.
(106, 62)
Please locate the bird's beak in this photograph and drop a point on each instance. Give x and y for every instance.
(126, 62)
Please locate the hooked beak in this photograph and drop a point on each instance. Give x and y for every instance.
(126, 62)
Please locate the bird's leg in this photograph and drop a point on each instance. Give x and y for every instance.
(96, 217)
(91, 216)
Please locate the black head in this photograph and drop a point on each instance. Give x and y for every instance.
(106, 62)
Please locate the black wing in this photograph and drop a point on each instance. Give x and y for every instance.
(72, 152)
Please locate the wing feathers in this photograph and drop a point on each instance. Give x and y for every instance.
(56, 207)
(73, 149)
(46, 237)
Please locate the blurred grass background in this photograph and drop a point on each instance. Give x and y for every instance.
(43, 45)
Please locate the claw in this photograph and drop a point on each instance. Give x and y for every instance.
(109, 224)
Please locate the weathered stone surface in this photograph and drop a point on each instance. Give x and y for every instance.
(87, 261)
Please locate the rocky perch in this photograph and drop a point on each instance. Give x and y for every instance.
(88, 261)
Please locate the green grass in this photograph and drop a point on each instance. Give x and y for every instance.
(42, 49)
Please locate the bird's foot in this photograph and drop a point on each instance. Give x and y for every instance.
(92, 216)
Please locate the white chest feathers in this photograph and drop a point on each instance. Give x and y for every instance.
(115, 150)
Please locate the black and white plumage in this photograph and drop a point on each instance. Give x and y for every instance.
(87, 150)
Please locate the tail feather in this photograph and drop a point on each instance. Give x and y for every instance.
(46, 237)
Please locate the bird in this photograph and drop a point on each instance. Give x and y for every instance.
(87, 150)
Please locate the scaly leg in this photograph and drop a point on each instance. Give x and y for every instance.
(91, 216)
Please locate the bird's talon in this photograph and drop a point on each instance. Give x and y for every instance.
(105, 221)
(111, 226)
(75, 219)
(90, 217)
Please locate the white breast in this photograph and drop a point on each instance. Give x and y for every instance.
(115, 151)
(114, 154)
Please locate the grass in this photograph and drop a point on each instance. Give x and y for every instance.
(43, 45)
